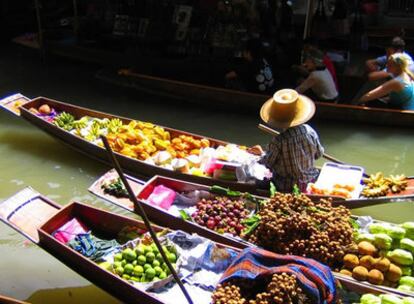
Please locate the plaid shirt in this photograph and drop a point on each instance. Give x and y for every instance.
(291, 156)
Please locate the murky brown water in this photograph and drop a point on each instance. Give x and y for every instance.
(30, 157)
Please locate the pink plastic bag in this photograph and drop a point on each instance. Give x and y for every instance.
(69, 231)
(162, 197)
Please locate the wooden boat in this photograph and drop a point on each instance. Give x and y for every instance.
(131, 165)
(21, 105)
(37, 218)
(236, 100)
(8, 300)
(164, 218)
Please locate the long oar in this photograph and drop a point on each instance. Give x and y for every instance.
(138, 205)
(326, 156)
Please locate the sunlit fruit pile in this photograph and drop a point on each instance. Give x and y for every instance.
(379, 185)
(281, 289)
(384, 256)
(143, 263)
(146, 141)
(221, 214)
(293, 224)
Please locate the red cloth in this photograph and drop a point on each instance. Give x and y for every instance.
(331, 68)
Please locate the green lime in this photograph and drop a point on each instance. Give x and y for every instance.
(128, 268)
(172, 257)
(105, 265)
(162, 275)
(135, 262)
(123, 263)
(119, 270)
(148, 249)
(138, 271)
(159, 257)
(141, 260)
(129, 254)
(150, 273)
(158, 270)
(117, 264)
(156, 263)
(146, 266)
(150, 257)
(144, 279)
(135, 279)
(154, 248)
(126, 277)
(118, 257)
(140, 249)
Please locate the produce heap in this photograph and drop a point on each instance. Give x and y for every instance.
(281, 289)
(384, 256)
(294, 225)
(148, 142)
(379, 185)
(143, 263)
(385, 299)
(221, 214)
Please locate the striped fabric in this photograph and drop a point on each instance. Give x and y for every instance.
(291, 156)
(315, 279)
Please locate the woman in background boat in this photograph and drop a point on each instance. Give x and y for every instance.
(255, 73)
(377, 67)
(397, 93)
(292, 154)
(319, 85)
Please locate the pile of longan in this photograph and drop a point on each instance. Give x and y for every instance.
(293, 224)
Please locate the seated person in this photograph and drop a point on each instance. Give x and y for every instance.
(400, 89)
(377, 66)
(319, 85)
(312, 44)
(254, 74)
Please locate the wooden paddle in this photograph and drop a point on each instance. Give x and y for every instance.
(326, 156)
(138, 205)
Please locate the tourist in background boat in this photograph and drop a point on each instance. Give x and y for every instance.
(292, 154)
(255, 73)
(398, 92)
(312, 44)
(377, 67)
(319, 85)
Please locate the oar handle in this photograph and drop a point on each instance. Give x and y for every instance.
(138, 205)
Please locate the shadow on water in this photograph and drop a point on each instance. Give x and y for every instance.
(79, 295)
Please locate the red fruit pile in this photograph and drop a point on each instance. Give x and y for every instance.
(221, 214)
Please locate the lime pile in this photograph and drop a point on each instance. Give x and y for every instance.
(144, 263)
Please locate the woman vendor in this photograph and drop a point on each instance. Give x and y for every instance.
(397, 93)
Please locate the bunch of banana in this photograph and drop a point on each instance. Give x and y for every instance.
(397, 183)
(65, 121)
(378, 185)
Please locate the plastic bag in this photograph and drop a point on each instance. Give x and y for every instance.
(162, 197)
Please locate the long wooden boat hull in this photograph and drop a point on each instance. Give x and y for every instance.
(131, 165)
(237, 100)
(37, 218)
(163, 218)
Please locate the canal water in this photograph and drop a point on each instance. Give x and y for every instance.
(29, 157)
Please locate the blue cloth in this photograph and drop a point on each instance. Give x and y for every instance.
(315, 279)
(403, 99)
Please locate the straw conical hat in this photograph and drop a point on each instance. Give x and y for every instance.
(287, 109)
